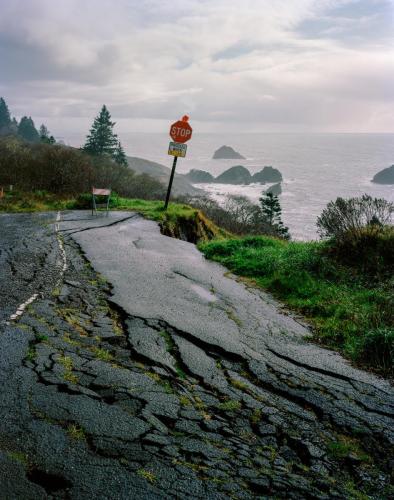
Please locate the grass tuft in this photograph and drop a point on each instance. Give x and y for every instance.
(230, 405)
(146, 474)
(102, 354)
(76, 432)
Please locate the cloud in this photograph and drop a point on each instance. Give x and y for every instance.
(273, 64)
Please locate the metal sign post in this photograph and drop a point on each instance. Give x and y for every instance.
(170, 183)
(180, 133)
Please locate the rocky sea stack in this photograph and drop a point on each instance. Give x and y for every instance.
(385, 176)
(235, 175)
(227, 153)
(238, 175)
(275, 189)
(199, 176)
(267, 174)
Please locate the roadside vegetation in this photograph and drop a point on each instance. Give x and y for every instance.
(343, 285)
(239, 216)
(179, 221)
(31, 161)
(66, 172)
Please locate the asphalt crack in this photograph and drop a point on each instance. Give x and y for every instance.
(146, 410)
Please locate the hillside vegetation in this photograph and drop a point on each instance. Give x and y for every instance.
(67, 171)
(178, 221)
(350, 305)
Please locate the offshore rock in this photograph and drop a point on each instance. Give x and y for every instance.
(227, 153)
(267, 174)
(199, 176)
(275, 189)
(385, 176)
(235, 175)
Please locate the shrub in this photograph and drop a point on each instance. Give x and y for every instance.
(375, 347)
(370, 249)
(238, 214)
(343, 217)
(361, 233)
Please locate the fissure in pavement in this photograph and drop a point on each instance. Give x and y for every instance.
(109, 405)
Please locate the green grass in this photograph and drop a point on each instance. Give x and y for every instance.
(345, 446)
(230, 405)
(37, 201)
(146, 474)
(19, 456)
(179, 220)
(102, 354)
(348, 311)
(76, 432)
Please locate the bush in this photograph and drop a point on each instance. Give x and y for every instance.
(376, 348)
(238, 215)
(342, 218)
(370, 250)
(361, 233)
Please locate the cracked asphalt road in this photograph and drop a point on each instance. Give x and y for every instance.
(150, 373)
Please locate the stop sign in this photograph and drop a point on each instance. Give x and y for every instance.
(181, 131)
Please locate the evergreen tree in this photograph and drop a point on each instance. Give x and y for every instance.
(272, 213)
(14, 126)
(5, 118)
(27, 130)
(120, 156)
(102, 140)
(44, 135)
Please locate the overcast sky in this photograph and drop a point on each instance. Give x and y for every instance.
(232, 65)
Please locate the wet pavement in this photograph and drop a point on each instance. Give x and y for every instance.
(141, 370)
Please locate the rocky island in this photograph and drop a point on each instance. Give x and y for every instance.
(235, 175)
(385, 176)
(275, 189)
(227, 153)
(267, 174)
(199, 176)
(238, 175)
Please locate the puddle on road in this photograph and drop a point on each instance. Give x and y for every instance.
(203, 293)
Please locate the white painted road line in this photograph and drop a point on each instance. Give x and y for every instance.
(63, 255)
(63, 265)
(22, 307)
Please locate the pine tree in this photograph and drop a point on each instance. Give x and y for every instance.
(27, 130)
(272, 213)
(102, 139)
(44, 135)
(14, 126)
(120, 156)
(5, 118)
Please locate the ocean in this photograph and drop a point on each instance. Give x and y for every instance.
(316, 168)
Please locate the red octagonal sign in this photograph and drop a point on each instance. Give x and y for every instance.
(181, 131)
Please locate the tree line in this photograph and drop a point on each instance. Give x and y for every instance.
(31, 160)
(101, 141)
(25, 128)
(68, 171)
